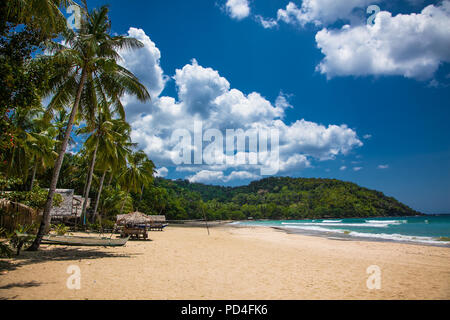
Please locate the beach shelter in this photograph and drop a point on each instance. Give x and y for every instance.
(133, 218)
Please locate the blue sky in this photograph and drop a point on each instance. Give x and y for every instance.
(395, 112)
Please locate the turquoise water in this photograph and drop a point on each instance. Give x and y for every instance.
(427, 229)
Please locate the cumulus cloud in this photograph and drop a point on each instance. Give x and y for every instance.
(209, 176)
(145, 64)
(238, 9)
(321, 12)
(409, 45)
(343, 168)
(357, 168)
(162, 172)
(203, 95)
(383, 166)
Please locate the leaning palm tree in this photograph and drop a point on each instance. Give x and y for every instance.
(85, 68)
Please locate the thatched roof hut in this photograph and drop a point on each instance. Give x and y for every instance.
(139, 218)
(157, 218)
(133, 218)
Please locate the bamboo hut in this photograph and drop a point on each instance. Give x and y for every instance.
(14, 214)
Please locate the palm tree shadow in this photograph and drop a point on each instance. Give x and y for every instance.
(21, 285)
(10, 298)
(58, 254)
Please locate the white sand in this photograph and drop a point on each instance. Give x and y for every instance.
(231, 263)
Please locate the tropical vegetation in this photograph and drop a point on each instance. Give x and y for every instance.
(79, 71)
(80, 139)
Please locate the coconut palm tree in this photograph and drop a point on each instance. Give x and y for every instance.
(113, 154)
(105, 133)
(42, 14)
(41, 150)
(31, 144)
(84, 68)
(138, 173)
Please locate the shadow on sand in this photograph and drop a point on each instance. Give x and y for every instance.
(57, 254)
(21, 285)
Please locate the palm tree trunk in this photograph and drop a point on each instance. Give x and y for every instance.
(33, 175)
(124, 200)
(45, 223)
(100, 188)
(110, 178)
(142, 192)
(88, 184)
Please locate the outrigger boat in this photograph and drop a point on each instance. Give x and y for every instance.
(84, 241)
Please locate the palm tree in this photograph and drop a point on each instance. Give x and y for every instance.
(30, 145)
(41, 149)
(42, 14)
(16, 155)
(138, 173)
(113, 152)
(85, 68)
(104, 136)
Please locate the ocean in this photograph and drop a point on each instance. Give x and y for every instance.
(423, 229)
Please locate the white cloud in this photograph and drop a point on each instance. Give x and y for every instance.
(238, 9)
(322, 12)
(267, 23)
(162, 172)
(209, 176)
(383, 166)
(343, 168)
(367, 136)
(357, 168)
(203, 94)
(145, 64)
(409, 45)
(198, 87)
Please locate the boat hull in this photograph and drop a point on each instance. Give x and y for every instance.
(84, 241)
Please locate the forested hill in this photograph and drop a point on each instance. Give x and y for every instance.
(271, 198)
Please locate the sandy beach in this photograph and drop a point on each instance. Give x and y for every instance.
(231, 263)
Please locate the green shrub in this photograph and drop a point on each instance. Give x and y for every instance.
(94, 226)
(22, 236)
(5, 250)
(60, 229)
(108, 224)
(35, 199)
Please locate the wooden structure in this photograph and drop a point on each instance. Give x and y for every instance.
(136, 224)
(133, 224)
(134, 232)
(14, 214)
(157, 223)
(69, 211)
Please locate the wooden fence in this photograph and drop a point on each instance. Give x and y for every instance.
(13, 214)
